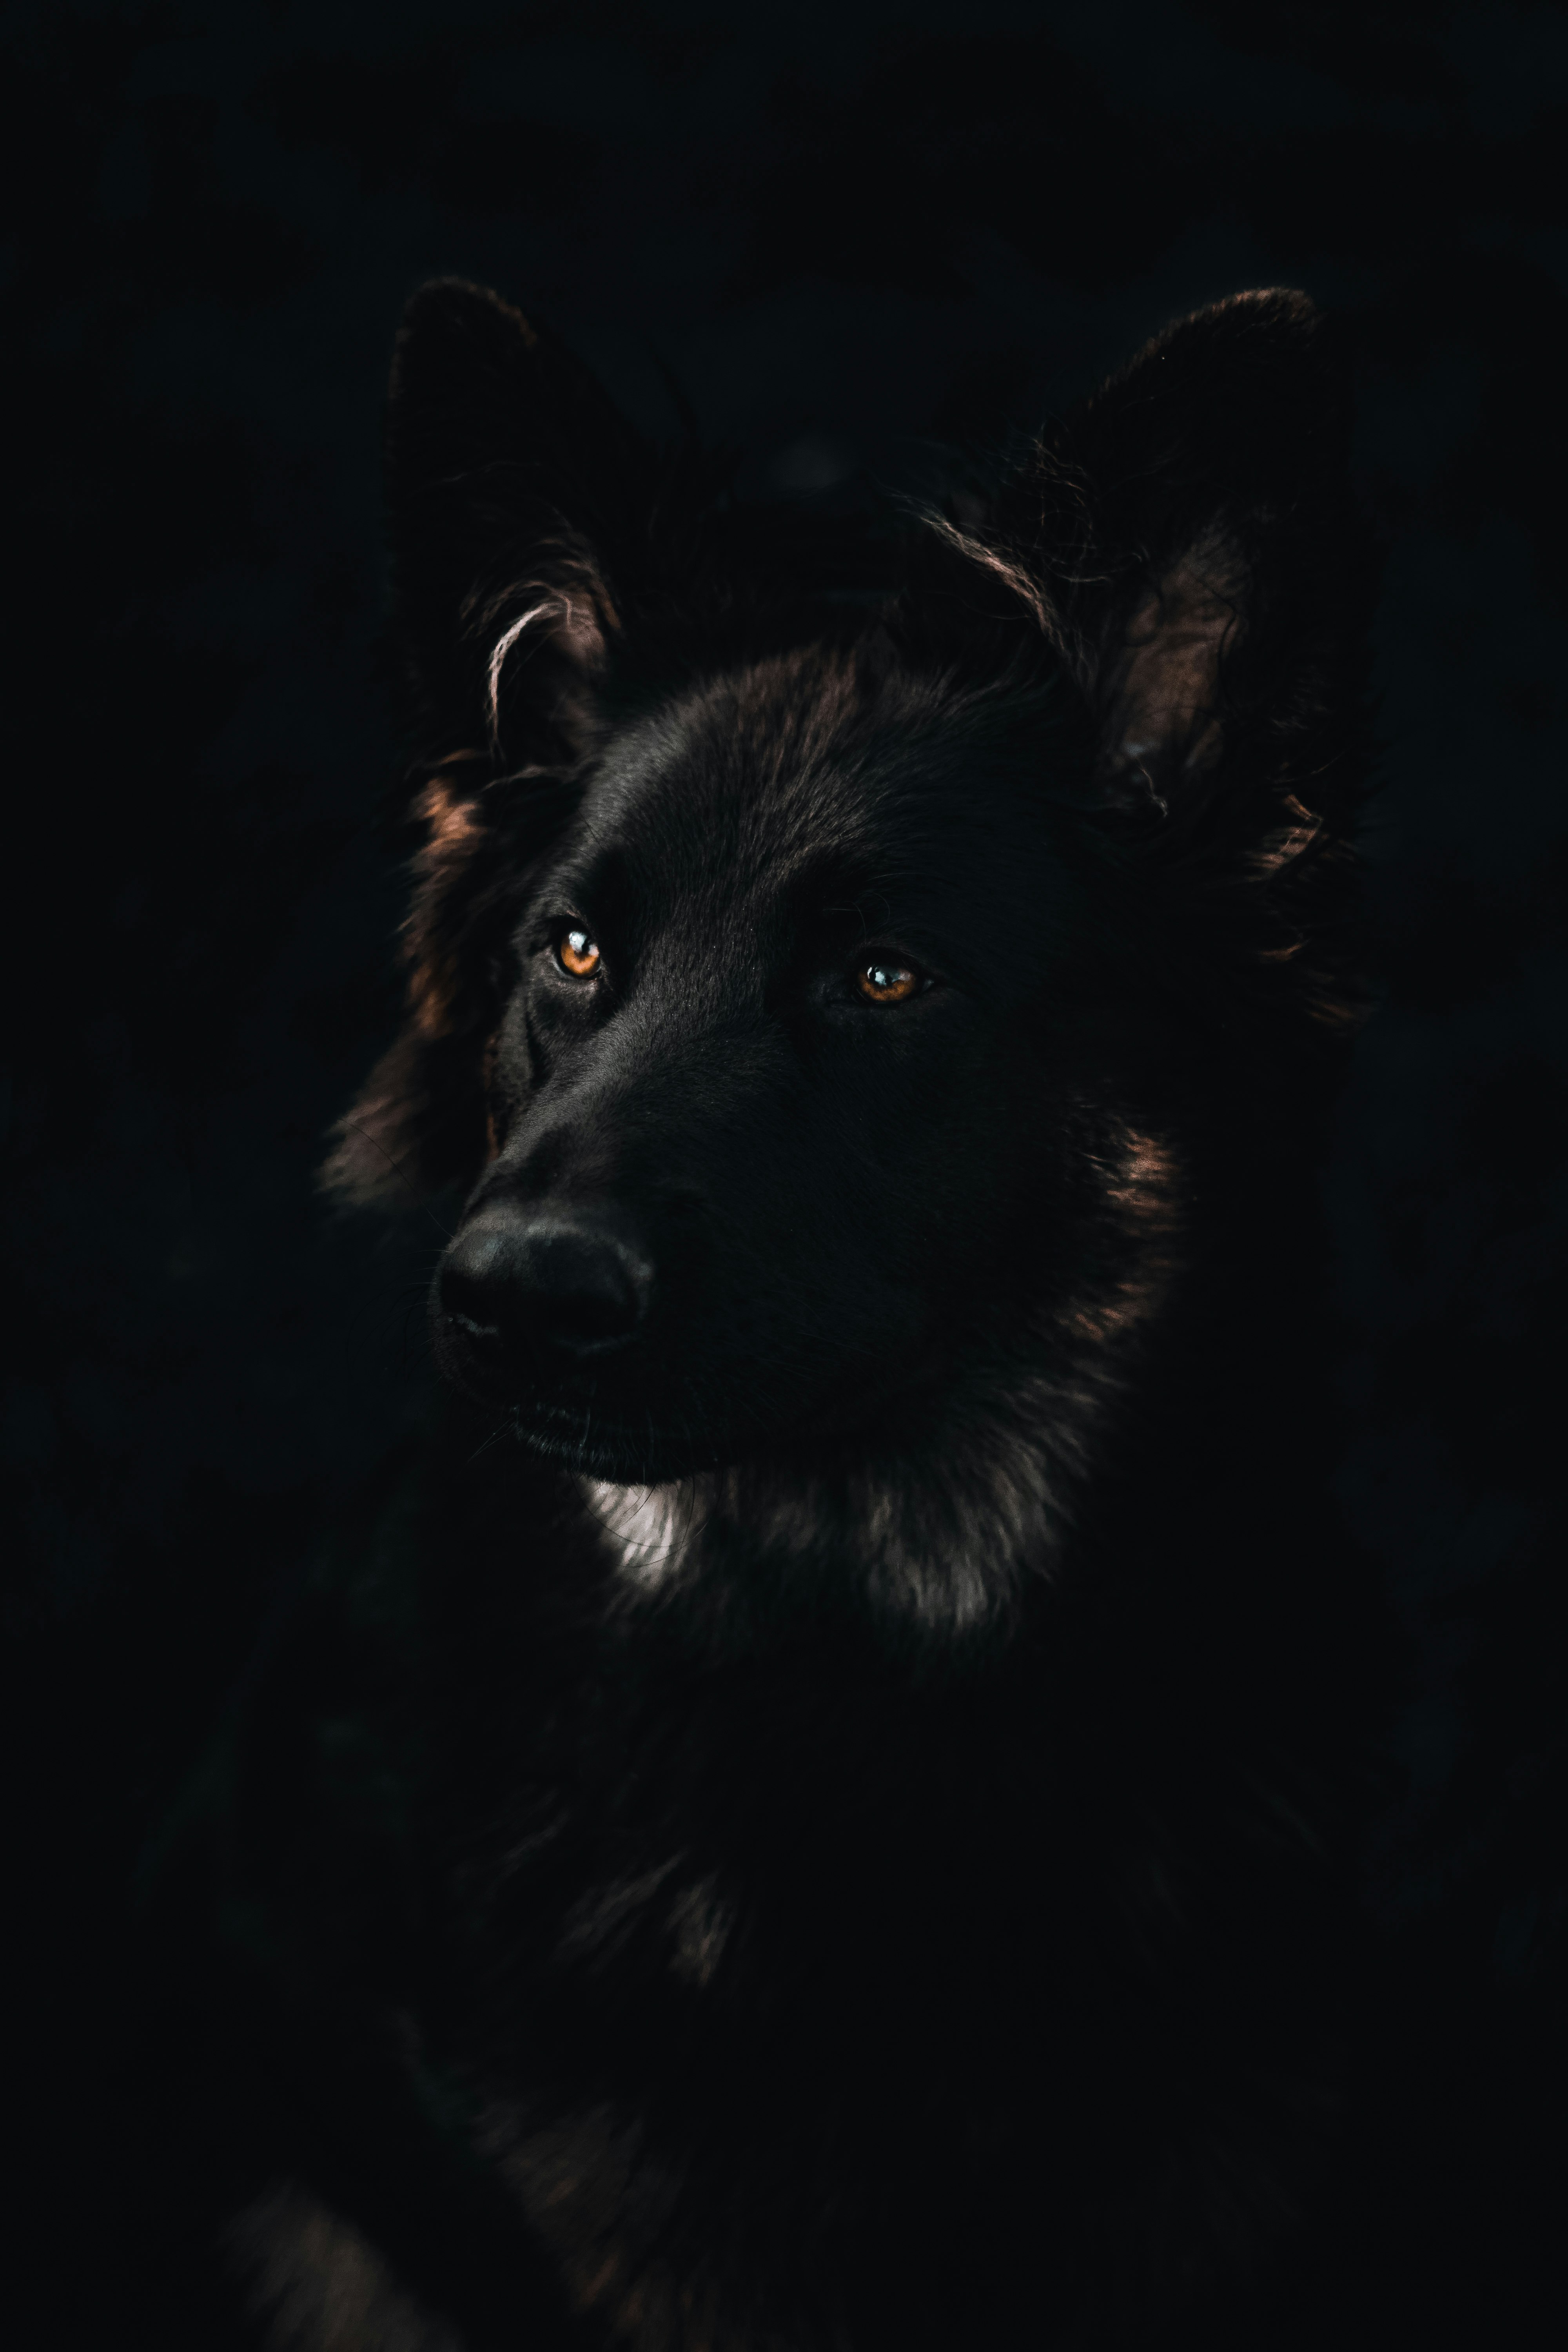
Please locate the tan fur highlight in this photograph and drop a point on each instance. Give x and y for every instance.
(318, 2286)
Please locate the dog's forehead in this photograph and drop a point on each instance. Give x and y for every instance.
(794, 769)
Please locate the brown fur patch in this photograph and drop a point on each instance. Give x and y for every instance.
(317, 2286)
(1142, 1180)
(453, 831)
(577, 2181)
(372, 1141)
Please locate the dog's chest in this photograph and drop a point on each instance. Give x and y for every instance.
(740, 2064)
(733, 1861)
(778, 1963)
(801, 1974)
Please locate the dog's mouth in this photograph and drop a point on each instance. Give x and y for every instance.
(607, 1436)
(567, 1417)
(597, 1445)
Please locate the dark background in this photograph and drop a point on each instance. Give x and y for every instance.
(850, 232)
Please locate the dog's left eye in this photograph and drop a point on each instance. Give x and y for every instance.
(577, 952)
(888, 983)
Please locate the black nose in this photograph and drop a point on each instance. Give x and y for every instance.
(554, 1287)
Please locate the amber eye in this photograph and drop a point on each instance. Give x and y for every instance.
(575, 953)
(887, 984)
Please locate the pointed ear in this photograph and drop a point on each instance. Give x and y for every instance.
(514, 488)
(1220, 540)
(1186, 544)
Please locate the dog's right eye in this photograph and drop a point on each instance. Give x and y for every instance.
(578, 953)
(888, 983)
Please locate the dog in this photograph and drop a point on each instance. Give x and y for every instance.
(880, 1655)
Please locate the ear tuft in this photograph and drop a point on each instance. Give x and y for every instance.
(1161, 693)
(545, 657)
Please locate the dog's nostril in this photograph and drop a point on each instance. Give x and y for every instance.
(473, 1279)
(583, 1294)
(551, 1287)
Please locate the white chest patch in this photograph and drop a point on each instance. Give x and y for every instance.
(648, 1529)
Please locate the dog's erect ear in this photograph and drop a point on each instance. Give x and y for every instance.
(516, 493)
(1186, 544)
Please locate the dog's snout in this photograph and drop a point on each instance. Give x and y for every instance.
(552, 1286)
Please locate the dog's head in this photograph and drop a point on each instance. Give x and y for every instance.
(812, 978)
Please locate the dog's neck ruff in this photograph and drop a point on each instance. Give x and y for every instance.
(719, 1533)
(943, 1547)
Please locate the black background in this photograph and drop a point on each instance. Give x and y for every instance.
(848, 231)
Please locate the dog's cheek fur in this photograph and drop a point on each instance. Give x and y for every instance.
(414, 1123)
(430, 1113)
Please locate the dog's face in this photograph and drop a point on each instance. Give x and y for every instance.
(778, 1115)
(812, 1011)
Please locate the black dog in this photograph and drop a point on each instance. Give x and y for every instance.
(880, 1737)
